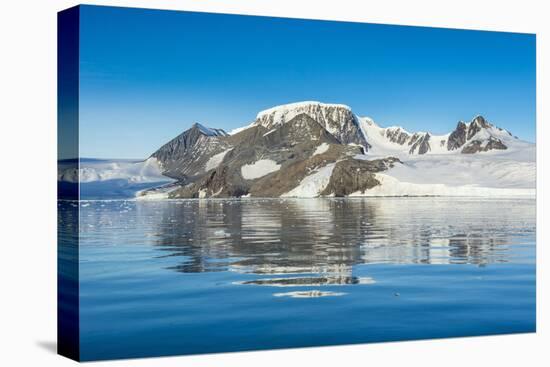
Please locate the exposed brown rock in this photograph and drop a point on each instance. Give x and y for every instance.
(421, 144)
(457, 137)
(290, 175)
(353, 175)
(477, 146)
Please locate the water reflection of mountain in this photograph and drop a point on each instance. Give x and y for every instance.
(328, 237)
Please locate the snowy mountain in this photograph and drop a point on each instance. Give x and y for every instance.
(467, 138)
(272, 156)
(311, 149)
(337, 119)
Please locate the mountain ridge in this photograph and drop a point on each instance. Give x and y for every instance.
(310, 149)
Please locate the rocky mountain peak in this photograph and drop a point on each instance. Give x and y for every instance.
(476, 125)
(187, 146)
(481, 122)
(475, 136)
(205, 130)
(458, 137)
(337, 119)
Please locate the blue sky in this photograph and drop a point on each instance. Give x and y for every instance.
(148, 75)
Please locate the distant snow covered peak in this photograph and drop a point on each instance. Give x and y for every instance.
(393, 139)
(479, 123)
(477, 135)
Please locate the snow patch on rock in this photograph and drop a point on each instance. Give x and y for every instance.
(216, 160)
(202, 193)
(321, 149)
(490, 169)
(269, 132)
(313, 184)
(259, 169)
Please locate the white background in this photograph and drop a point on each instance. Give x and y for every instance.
(28, 182)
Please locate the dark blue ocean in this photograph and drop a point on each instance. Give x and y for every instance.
(202, 276)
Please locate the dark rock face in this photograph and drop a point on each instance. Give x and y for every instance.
(217, 183)
(476, 146)
(477, 124)
(353, 175)
(290, 175)
(457, 137)
(420, 143)
(464, 137)
(337, 119)
(397, 136)
(177, 148)
(414, 138)
(183, 155)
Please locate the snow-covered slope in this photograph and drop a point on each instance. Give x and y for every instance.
(110, 179)
(313, 184)
(496, 173)
(259, 169)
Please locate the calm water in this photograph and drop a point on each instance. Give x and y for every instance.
(180, 277)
